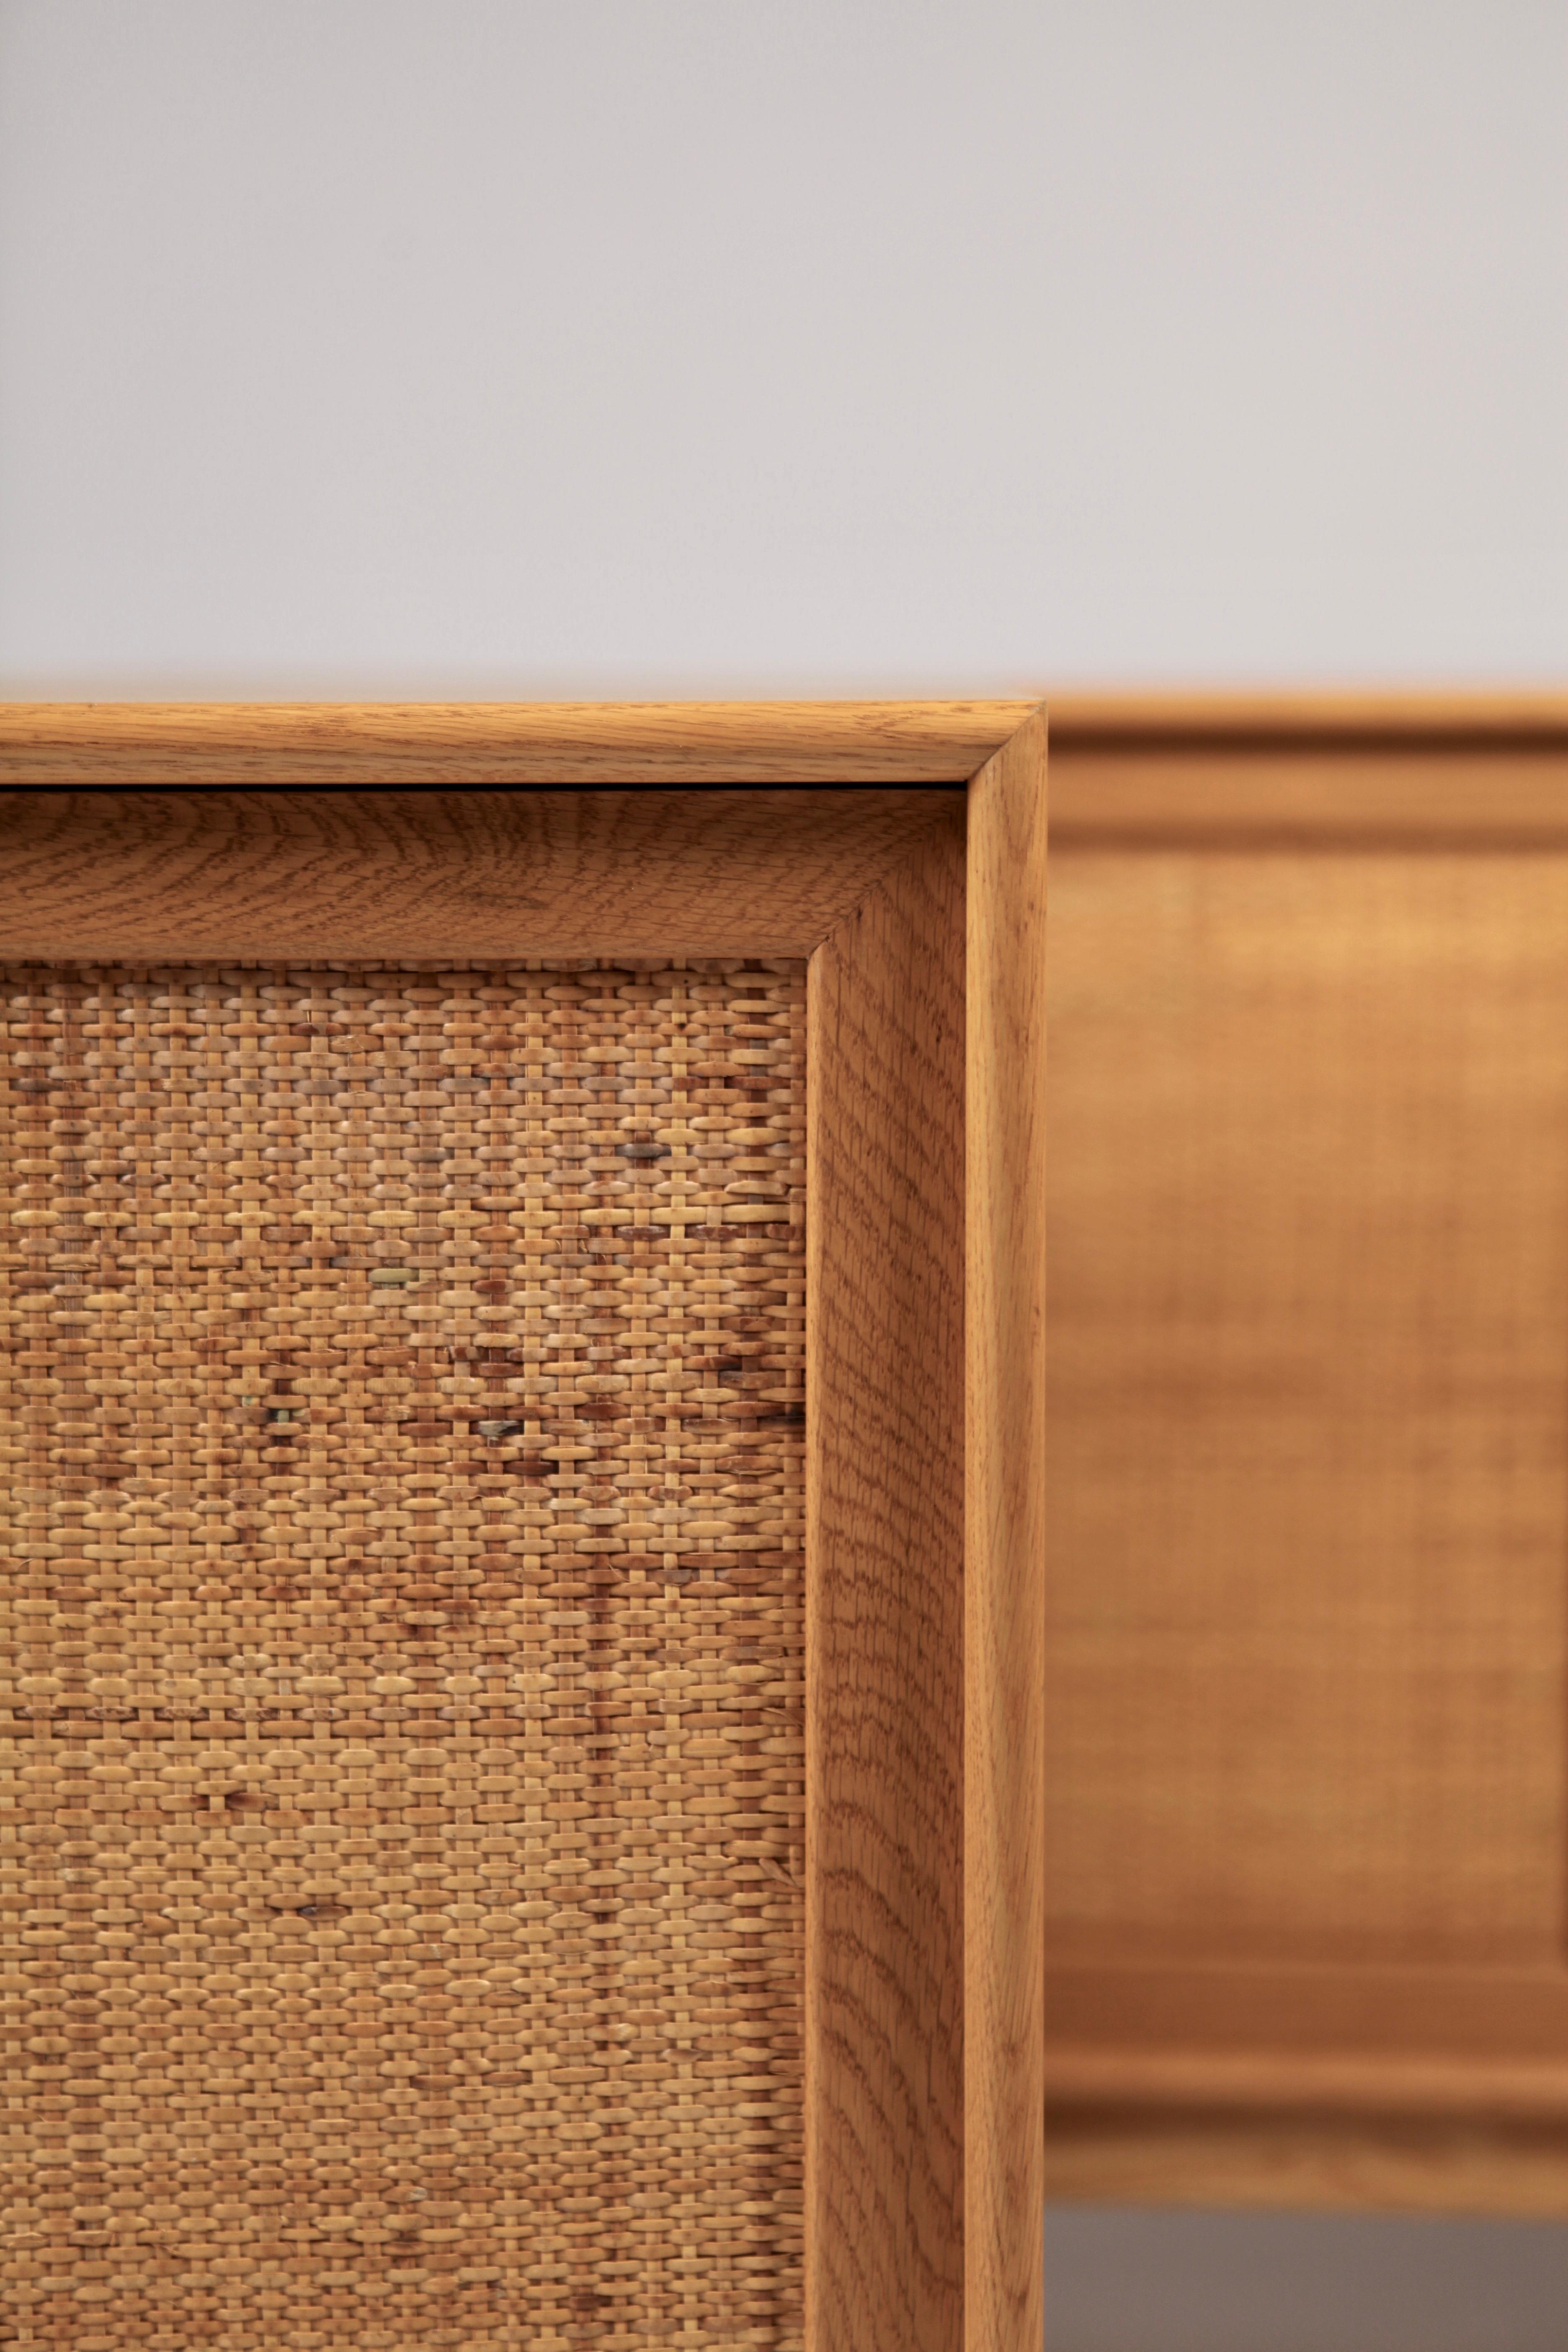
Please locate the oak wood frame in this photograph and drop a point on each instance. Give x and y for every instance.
(1437, 2087)
(172, 832)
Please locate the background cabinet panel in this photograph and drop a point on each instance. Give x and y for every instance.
(1307, 1557)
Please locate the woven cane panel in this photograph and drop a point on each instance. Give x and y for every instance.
(402, 1859)
(1308, 1279)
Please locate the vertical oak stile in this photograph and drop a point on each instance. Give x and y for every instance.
(884, 1985)
(1004, 1627)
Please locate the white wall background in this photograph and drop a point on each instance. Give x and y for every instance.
(512, 346)
(411, 347)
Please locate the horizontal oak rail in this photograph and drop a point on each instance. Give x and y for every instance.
(1307, 2083)
(1453, 771)
(298, 744)
(1094, 721)
(246, 872)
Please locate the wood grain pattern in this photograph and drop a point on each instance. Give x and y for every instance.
(1004, 1624)
(884, 1617)
(148, 875)
(499, 742)
(1368, 2163)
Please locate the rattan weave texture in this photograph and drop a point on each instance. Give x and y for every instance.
(402, 1871)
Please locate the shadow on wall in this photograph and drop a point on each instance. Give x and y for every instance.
(1130, 2280)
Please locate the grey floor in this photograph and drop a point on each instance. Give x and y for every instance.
(1130, 2279)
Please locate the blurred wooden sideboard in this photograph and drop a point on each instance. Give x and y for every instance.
(1307, 1809)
